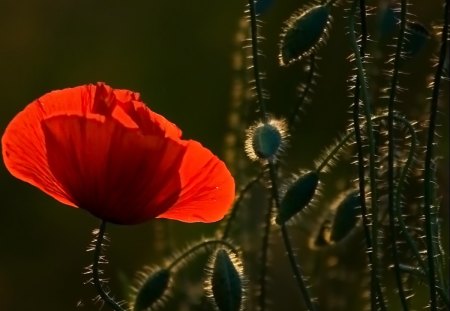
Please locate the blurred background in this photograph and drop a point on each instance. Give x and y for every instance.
(178, 55)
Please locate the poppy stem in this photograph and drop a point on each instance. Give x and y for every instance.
(227, 228)
(199, 246)
(298, 273)
(96, 271)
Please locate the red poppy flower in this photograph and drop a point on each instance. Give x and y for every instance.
(104, 151)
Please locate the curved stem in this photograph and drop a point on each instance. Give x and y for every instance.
(287, 243)
(198, 246)
(398, 191)
(429, 154)
(332, 153)
(373, 257)
(391, 152)
(96, 271)
(306, 90)
(237, 204)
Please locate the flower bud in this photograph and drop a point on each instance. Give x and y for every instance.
(346, 217)
(265, 140)
(152, 289)
(225, 282)
(298, 196)
(305, 31)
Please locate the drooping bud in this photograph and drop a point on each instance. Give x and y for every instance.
(298, 196)
(346, 216)
(153, 286)
(224, 284)
(264, 141)
(304, 33)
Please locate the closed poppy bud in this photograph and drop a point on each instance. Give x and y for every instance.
(298, 195)
(152, 289)
(304, 33)
(225, 282)
(346, 216)
(265, 140)
(103, 150)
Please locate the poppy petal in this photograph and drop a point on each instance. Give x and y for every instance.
(104, 151)
(149, 121)
(25, 154)
(207, 187)
(116, 173)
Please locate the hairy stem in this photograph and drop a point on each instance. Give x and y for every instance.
(255, 60)
(373, 251)
(96, 271)
(237, 204)
(287, 243)
(199, 246)
(307, 88)
(391, 152)
(429, 155)
(264, 258)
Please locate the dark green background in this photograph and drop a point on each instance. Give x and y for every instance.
(177, 54)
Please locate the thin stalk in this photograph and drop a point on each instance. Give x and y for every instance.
(401, 181)
(237, 204)
(391, 152)
(287, 243)
(332, 153)
(264, 117)
(198, 246)
(429, 154)
(306, 90)
(96, 271)
(373, 256)
(255, 60)
(264, 258)
(403, 228)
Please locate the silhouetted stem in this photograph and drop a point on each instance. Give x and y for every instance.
(199, 246)
(362, 87)
(403, 228)
(306, 90)
(96, 272)
(287, 243)
(264, 258)
(332, 153)
(255, 59)
(391, 152)
(237, 204)
(429, 158)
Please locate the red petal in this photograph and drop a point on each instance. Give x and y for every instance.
(114, 172)
(150, 122)
(105, 151)
(207, 187)
(25, 154)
